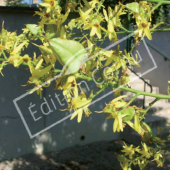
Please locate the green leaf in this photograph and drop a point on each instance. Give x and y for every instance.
(108, 109)
(40, 73)
(121, 158)
(45, 50)
(19, 48)
(51, 31)
(130, 113)
(33, 28)
(148, 132)
(69, 53)
(133, 7)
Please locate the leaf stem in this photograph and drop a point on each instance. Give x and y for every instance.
(131, 100)
(97, 93)
(151, 104)
(156, 6)
(127, 31)
(101, 3)
(84, 77)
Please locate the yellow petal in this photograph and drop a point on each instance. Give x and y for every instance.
(105, 15)
(85, 14)
(115, 124)
(99, 33)
(110, 26)
(119, 104)
(110, 12)
(148, 33)
(74, 115)
(136, 123)
(39, 64)
(18, 48)
(120, 122)
(115, 35)
(93, 31)
(65, 16)
(118, 129)
(63, 32)
(118, 98)
(80, 115)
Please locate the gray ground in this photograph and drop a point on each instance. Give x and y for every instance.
(95, 156)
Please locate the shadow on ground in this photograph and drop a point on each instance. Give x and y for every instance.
(99, 155)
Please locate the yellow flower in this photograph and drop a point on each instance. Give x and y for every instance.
(125, 165)
(91, 3)
(113, 21)
(17, 60)
(129, 150)
(81, 104)
(143, 29)
(142, 163)
(37, 72)
(112, 108)
(159, 159)
(93, 23)
(48, 3)
(124, 162)
(145, 153)
(118, 122)
(15, 57)
(159, 141)
(71, 4)
(61, 18)
(17, 48)
(68, 85)
(85, 15)
(110, 26)
(112, 57)
(96, 28)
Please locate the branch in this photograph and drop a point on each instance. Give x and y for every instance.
(158, 96)
(151, 104)
(156, 30)
(158, 1)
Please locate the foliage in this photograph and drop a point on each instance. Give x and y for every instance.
(14, 3)
(162, 14)
(80, 53)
